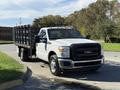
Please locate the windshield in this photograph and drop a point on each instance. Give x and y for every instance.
(63, 34)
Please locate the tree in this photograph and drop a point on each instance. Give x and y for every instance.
(49, 21)
(100, 20)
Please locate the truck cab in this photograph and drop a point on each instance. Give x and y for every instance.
(65, 49)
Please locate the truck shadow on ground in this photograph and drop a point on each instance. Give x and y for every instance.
(109, 72)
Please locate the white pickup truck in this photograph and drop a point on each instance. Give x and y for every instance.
(63, 47)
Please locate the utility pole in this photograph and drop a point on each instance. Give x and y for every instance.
(20, 21)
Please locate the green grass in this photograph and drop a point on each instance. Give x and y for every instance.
(111, 47)
(10, 69)
(6, 42)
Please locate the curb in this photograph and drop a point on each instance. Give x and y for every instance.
(17, 82)
(66, 81)
(75, 82)
(11, 84)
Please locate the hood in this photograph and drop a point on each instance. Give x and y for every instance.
(68, 42)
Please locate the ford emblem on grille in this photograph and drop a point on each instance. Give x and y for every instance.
(87, 52)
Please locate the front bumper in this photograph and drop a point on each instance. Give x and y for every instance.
(70, 64)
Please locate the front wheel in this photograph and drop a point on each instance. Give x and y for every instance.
(54, 65)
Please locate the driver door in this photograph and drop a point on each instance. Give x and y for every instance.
(41, 50)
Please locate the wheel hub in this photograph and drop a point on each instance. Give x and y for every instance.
(53, 65)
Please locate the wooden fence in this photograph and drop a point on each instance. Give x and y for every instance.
(6, 33)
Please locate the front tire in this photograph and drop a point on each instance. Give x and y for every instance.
(54, 65)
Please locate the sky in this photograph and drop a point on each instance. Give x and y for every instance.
(12, 10)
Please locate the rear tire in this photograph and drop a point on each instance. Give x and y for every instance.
(18, 51)
(54, 65)
(24, 55)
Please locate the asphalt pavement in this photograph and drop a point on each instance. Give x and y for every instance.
(35, 82)
(108, 77)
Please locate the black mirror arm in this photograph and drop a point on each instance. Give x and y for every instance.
(37, 39)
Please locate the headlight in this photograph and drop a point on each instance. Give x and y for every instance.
(64, 51)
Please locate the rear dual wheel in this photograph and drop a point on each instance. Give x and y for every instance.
(24, 54)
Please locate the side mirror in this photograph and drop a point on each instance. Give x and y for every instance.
(43, 40)
(37, 39)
